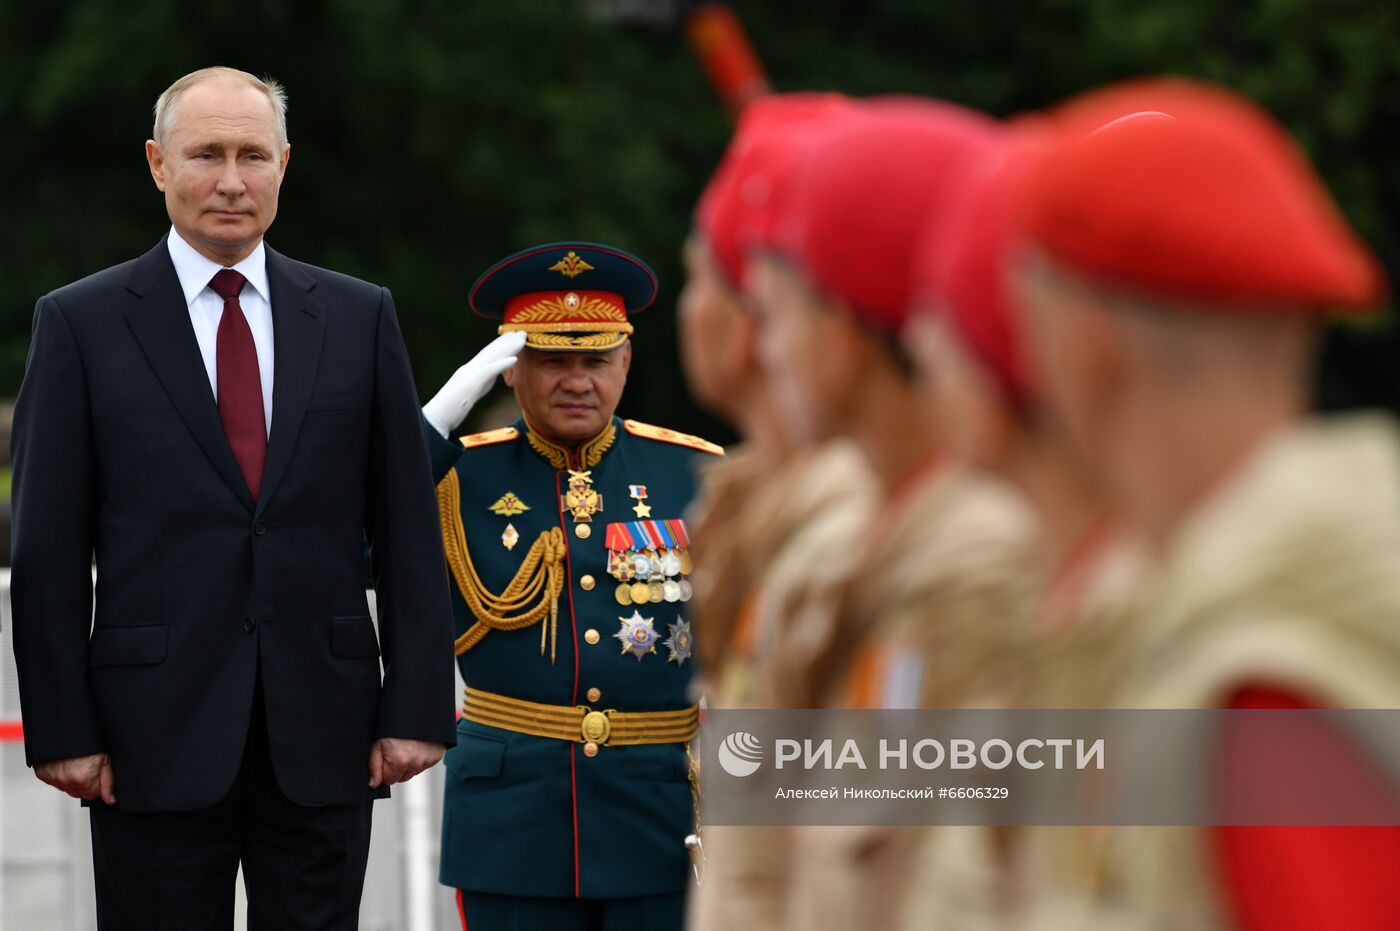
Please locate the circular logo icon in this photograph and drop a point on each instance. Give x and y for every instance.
(740, 754)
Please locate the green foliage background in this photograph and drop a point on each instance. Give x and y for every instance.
(431, 137)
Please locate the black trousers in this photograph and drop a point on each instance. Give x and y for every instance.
(303, 868)
(480, 911)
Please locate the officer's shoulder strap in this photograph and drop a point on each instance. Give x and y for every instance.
(650, 432)
(489, 438)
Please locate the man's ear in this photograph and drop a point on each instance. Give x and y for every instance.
(155, 158)
(626, 357)
(508, 376)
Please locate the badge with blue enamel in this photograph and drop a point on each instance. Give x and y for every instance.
(637, 635)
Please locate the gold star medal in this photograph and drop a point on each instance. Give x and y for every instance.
(639, 494)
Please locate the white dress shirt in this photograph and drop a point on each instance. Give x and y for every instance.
(207, 309)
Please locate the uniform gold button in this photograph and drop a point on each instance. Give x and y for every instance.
(590, 749)
(595, 694)
(586, 583)
(590, 635)
(582, 531)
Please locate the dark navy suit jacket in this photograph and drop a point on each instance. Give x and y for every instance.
(119, 453)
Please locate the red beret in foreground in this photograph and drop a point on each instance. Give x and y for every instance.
(961, 268)
(863, 194)
(735, 208)
(1188, 190)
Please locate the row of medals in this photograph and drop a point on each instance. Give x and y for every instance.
(651, 577)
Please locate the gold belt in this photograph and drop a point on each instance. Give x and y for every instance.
(579, 723)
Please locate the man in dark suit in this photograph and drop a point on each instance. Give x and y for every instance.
(223, 428)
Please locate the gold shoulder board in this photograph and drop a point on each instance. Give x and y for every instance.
(490, 437)
(650, 432)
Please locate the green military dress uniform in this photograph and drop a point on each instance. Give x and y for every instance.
(570, 778)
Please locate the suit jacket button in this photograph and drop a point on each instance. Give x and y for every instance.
(586, 583)
(594, 694)
(590, 749)
(582, 531)
(249, 625)
(590, 635)
(259, 528)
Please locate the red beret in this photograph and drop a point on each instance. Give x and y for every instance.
(735, 207)
(960, 270)
(1188, 190)
(863, 194)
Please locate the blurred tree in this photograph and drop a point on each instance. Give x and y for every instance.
(431, 137)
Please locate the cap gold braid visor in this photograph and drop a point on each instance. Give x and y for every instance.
(568, 321)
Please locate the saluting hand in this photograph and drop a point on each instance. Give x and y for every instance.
(393, 760)
(85, 777)
(469, 384)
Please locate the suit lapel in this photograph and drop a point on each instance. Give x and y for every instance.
(161, 324)
(298, 324)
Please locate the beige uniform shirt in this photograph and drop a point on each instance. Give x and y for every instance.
(1290, 575)
(927, 611)
(761, 540)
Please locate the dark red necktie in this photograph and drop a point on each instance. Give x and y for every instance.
(240, 385)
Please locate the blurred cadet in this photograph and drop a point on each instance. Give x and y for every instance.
(967, 340)
(226, 704)
(771, 517)
(755, 502)
(921, 603)
(1182, 255)
(569, 797)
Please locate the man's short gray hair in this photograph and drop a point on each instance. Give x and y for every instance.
(168, 103)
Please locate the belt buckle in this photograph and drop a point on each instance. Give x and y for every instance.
(596, 726)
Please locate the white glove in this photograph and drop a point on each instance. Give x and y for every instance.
(469, 384)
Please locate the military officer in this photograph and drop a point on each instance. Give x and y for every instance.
(568, 798)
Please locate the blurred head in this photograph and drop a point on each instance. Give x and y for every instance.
(815, 354)
(740, 201)
(569, 397)
(963, 335)
(1180, 253)
(832, 282)
(1078, 355)
(737, 207)
(717, 335)
(862, 198)
(219, 155)
(1187, 191)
